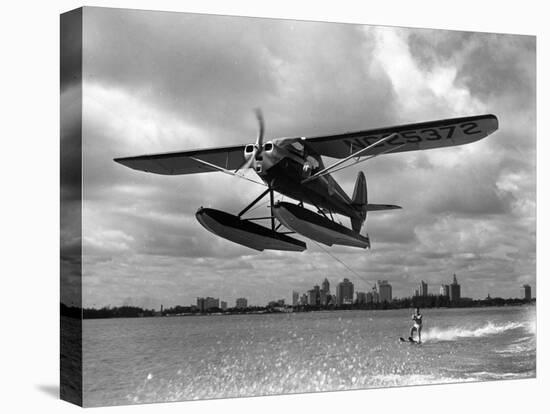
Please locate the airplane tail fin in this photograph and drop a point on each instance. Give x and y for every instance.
(360, 200)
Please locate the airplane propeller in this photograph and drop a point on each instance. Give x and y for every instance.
(256, 151)
(258, 146)
(260, 118)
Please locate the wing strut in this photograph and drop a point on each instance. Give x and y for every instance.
(357, 155)
(225, 171)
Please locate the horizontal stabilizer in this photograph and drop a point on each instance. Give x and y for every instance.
(380, 207)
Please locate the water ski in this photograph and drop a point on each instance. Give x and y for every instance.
(409, 339)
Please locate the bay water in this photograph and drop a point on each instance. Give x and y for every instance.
(141, 360)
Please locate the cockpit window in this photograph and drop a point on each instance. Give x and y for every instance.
(314, 162)
(298, 146)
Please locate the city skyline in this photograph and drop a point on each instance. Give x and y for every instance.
(470, 209)
(436, 285)
(205, 302)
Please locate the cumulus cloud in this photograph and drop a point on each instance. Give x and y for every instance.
(158, 82)
(420, 87)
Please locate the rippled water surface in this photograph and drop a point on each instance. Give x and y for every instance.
(140, 360)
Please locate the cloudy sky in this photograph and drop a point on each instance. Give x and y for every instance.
(158, 82)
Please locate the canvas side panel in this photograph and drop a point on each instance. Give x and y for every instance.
(71, 206)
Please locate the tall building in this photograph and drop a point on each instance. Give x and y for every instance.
(423, 288)
(311, 297)
(384, 291)
(325, 286)
(375, 295)
(295, 298)
(210, 303)
(527, 292)
(203, 304)
(416, 292)
(317, 293)
(344, 292)
(314, 296)
(444, 290)
(303, 299)
(324, 293)
(369, 298)
(454, 290)
(241, 303)
(361, 298)
(223, 305)
(323, 298)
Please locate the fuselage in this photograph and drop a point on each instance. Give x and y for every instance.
(285, 163)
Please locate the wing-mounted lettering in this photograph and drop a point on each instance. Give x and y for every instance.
(412, 137)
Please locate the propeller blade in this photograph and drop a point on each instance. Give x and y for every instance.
(258, 147)
(260, 140)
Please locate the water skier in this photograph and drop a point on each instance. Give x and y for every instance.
(417, 318)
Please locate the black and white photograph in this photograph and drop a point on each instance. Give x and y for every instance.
(260, 206)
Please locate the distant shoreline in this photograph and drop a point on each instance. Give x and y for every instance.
(137, 312)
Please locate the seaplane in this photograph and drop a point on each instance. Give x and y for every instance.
(293, 167)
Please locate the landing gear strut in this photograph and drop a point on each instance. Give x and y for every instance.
(256, 200)
(247, 233)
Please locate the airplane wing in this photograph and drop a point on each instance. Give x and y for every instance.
(187, 162)
(411, 137)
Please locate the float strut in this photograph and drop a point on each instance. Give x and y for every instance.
(248, 207)
(271, 200)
